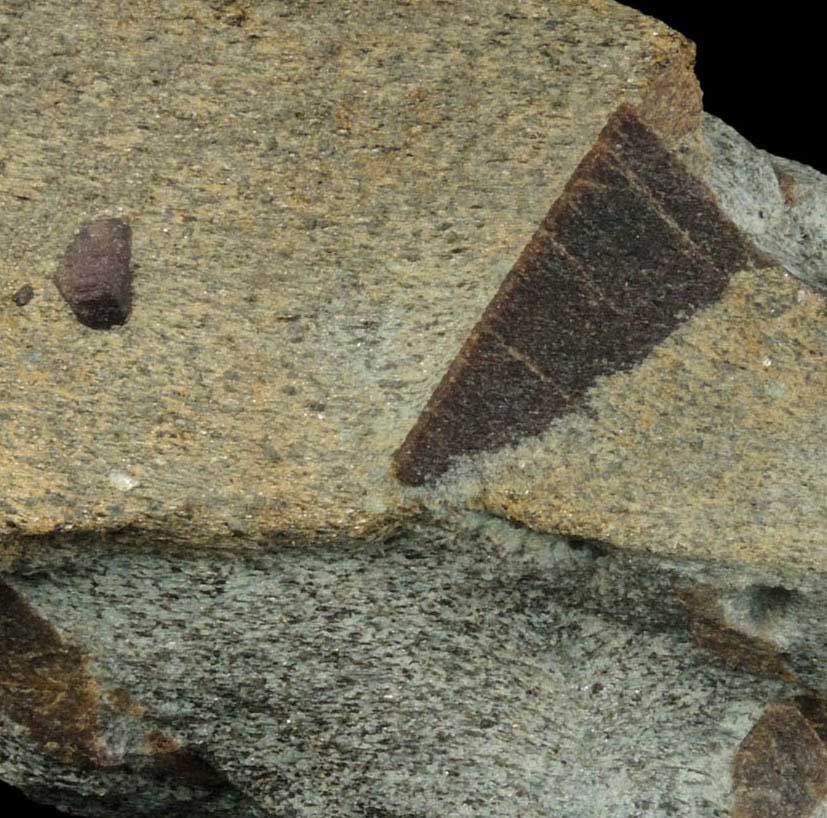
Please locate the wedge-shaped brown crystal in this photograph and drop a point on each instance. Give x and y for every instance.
(780, 769)
(632, 248)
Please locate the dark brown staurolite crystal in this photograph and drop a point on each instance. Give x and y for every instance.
(95, 277)
(633, 247)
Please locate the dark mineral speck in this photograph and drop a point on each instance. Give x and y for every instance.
(23, 295)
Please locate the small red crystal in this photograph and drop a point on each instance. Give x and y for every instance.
(95, 278)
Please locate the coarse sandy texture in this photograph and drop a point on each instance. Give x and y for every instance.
(323, 199)
(486, 672)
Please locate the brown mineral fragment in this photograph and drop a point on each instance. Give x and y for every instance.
(629, 251)
(95, 278)
(780, 769)
(44, 683)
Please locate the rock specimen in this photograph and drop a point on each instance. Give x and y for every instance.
(216, 597)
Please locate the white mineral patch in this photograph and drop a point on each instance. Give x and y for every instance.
(121, 480)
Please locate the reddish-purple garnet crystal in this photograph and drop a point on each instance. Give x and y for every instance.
(95, 278)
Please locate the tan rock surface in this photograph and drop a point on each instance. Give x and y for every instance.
(322, 202)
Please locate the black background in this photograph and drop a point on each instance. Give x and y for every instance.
(761, 71)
